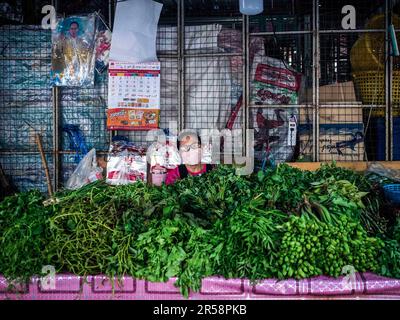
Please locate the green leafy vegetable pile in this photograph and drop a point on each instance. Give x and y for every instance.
(280, 223)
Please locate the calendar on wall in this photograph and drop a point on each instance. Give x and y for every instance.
(133, 96)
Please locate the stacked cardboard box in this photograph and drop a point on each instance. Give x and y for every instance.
(341, 135)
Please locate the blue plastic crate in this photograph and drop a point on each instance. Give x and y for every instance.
(392, 192)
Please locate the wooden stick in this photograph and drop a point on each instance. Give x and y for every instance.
(44, 163)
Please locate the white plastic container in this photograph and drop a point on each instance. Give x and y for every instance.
(251, 7)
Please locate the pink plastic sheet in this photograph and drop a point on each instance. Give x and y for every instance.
(70, 287)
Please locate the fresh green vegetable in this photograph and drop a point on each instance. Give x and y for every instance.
(390, 257)
(23, 235)
(280, 223)
(310, 247)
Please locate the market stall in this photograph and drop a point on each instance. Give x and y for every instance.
(199, 150)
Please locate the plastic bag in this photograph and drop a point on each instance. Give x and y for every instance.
(380, 170)
(103, 45)
(86, 172)
(274, 82)
(126, 164)
(231, 41)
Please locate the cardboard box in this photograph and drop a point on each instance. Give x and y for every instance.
(332, 114)
(335, 143)
(342, 92)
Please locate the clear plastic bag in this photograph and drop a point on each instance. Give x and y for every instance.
(103, 45)
(86, 172)
(380, 170)
(126, 164)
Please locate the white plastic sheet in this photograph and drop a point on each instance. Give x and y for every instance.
(135, 30)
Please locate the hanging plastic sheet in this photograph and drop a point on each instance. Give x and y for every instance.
(135, 30)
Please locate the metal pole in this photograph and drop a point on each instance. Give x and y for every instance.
(353, 31)
(246, 80)
(388, 84)
(56, 139)
(56, 133)
(315, 74)
(111, 4)
(181, 64)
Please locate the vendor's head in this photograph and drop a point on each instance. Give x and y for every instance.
(190, 147)
(74, 29)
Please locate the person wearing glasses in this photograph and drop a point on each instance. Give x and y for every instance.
(189, 145)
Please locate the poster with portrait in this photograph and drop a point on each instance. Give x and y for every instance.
(73, 51)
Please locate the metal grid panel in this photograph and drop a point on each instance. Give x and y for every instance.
(26, 170)
(25, 102)
(285, 28)
(284, 16)
(355, 98)
(213, 70)
(272, 105)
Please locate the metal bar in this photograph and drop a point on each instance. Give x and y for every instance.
(22, 152)
(316, 68)
(202, 20)
(255, 106)
(56, 138)
(167, 56)
(352, 31)
(111, 5)
(270, 33)
(25, 58)
(317, 76)
(246, 82)
(276, 106)
(216, 54)
(73, 152)
(181, 64)
(388, 84)
(313, 80)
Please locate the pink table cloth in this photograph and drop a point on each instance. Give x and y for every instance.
(71, 287)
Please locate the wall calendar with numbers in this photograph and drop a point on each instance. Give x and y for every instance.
(133, 96)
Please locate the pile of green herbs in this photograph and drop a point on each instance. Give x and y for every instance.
(280, 223)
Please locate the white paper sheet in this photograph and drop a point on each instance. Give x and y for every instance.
(135, 31)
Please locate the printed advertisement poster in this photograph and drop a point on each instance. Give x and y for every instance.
(132, 119)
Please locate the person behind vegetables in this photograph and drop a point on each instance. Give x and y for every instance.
(189, 145)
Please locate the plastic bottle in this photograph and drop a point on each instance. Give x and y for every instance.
(251, 7)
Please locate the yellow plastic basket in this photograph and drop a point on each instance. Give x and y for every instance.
(367, 58)
(371, 87)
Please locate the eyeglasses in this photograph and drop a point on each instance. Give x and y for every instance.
(193, 146)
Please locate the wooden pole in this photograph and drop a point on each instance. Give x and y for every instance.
(44, 163)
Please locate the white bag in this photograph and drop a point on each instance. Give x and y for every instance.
(86, 172)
